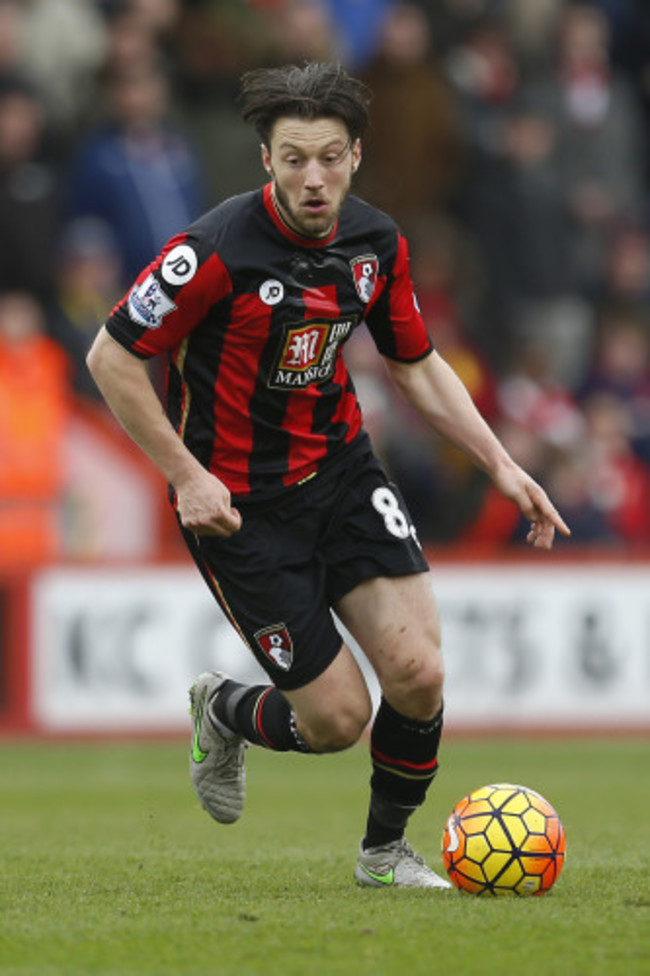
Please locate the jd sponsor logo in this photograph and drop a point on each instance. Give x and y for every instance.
(179, 266)
(272, 292)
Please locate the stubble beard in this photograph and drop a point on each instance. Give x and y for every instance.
(319, 226)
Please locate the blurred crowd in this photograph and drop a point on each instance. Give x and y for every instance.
(509, 139)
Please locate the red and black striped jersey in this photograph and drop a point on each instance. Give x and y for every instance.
(253, 318)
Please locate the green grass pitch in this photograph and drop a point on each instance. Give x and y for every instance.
(109, 866)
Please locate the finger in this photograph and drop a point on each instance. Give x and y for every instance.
(233, 520)
(223, 524)
(226, 523)
(214, 530)
(560, 524)
(554, 520)
(541, 535)
(545, 510)
(545, 538)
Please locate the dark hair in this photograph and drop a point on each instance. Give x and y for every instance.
(313, 91)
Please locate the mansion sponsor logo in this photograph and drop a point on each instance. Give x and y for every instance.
(308, 352)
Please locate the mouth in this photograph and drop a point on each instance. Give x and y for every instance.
(314, 206)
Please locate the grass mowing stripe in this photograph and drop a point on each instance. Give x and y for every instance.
(109, 866)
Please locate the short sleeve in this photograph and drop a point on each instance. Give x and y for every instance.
(394, 320)
(170, 297)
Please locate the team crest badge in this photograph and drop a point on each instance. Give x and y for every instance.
(364, 271)
(275, 641)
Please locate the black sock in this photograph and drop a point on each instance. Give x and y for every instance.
(404, 755)
(261, 714)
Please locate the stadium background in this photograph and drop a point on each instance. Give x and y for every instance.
(510, 141)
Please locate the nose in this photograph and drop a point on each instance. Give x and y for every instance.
(313, 174)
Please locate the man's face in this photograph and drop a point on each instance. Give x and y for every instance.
(311, 163)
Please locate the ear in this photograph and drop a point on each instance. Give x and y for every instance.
(266, 160)
(356, 155)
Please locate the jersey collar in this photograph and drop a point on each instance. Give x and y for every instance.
(283, 227)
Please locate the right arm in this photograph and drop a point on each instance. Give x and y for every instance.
(203, 501)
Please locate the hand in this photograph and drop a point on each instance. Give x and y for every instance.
(535, 505)
(203, 506)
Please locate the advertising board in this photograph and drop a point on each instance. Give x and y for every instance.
(525, 646)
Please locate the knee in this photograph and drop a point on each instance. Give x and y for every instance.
(335, 732)
(416, 686)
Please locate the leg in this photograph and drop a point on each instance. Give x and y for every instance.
(333, 711)
(326, 715)
(396, 623)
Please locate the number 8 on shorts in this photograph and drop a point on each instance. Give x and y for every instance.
(386, 503)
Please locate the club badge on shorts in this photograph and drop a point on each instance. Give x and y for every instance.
(364, 271)
(275, 641)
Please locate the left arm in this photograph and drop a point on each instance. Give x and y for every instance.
(441, 399)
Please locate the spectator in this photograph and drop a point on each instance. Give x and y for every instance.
(214, 45)
(447, 281)
(629, 24)
(30, 204)
(452, 20)
(138, 33)
(598, 118)
(556, 168)
(161, 16)
(448, 278)
(88, 276)
(359, 27)
(131, 43)
(540, 421)
(302, 30)
(567, 474)
(621, 368)
(532, 28)
(485, 73)
(63, 43)
(626, 278)
(136, 172)
(33, 409)
(587, 456)
(618, 482)
(531, 396)
(12, 26)
(415, 109)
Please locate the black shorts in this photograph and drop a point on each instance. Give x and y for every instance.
(293, 559)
